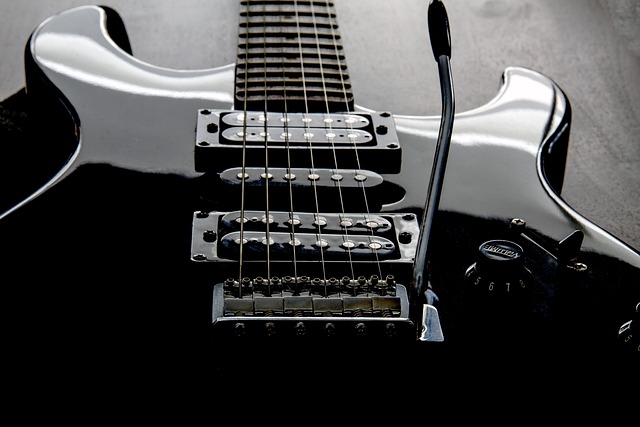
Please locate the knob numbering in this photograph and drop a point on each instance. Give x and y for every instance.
(499, 269)
(629, 333)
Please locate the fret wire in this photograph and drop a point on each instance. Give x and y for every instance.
(335, 159)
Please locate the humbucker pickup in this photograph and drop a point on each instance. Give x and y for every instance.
(305, 238)
(308, 140)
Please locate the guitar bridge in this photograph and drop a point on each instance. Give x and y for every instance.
(297, 307)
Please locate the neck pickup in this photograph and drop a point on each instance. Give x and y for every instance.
(313, 141)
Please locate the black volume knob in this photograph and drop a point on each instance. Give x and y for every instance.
(499, 269)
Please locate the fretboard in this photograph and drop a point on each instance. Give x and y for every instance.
(290, 58)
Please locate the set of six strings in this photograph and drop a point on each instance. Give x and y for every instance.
(327, 6)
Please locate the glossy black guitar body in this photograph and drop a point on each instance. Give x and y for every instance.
(110, 272)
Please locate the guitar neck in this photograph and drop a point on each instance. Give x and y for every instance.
(290, 58)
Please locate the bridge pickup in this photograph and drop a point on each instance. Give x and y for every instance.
(323, 141)
(308, 239)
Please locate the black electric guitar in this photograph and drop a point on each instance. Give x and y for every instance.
(253, 215)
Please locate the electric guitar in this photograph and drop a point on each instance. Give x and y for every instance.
(243, 217)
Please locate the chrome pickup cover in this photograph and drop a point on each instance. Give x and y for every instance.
(368, 238)
(315, 140)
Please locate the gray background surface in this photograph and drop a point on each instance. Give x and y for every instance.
(590, 48)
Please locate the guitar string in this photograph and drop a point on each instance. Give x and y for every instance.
(355, 150)
(307, 133)
(329, 127)
(289, 176)
(267, 176)
(243, 172)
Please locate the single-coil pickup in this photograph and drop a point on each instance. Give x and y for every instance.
(281, 177)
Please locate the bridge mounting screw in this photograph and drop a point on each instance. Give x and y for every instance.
(390, 330)
(330, 329)
(300, 329)
(239, 329)
(200, 257)
(270, 329)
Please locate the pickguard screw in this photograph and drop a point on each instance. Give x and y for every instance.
(578, 266)
(518, 222)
